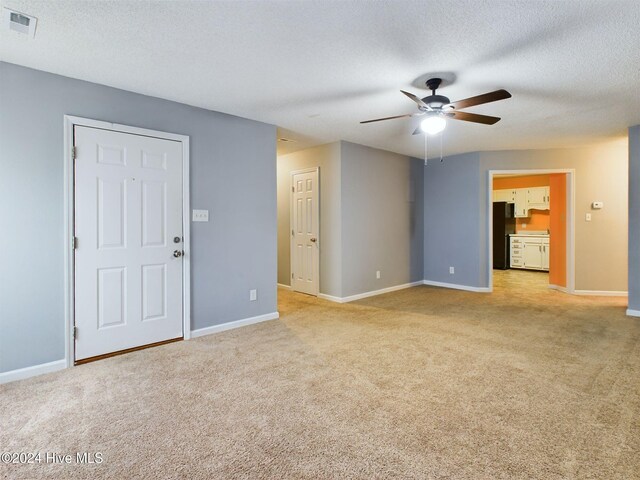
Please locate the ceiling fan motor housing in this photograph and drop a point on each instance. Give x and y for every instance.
(433, 100)
(436, 101)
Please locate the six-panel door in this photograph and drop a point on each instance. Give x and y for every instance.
(128, 222)
(304, 230)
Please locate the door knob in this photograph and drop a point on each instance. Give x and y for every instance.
(177, 253)
(313, 239)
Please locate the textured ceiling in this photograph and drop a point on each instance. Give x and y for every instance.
(316, 68)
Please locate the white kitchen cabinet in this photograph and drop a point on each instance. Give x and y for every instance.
(545, 256)
(516, 246)
(530, 252)
(538, 198)
(504, 195)
(525, 199)
(521, 209)
(533, 256)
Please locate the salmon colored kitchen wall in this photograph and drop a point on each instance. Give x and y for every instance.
(524, 181)
(558, 228)
(554, 219)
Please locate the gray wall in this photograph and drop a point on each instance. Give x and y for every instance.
(382, 219)
(327, 157)
(634, 218)
(456, 212)
(233, 174)
(367, 221)
(451, 220)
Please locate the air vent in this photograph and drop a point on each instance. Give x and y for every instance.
(19, 22)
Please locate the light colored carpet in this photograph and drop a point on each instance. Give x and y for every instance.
(420, 383)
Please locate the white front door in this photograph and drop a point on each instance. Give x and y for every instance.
(128, 225)
(305, 216)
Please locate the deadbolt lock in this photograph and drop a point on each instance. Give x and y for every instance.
(177, 239)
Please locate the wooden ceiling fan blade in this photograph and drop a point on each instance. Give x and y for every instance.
(473, 117)
(387, 118)
(481, 99)
(416, 99)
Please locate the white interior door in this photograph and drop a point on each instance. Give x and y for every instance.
(128, 225)
(305, 216)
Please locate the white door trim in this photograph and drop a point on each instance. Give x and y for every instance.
(69, 287)
(317, 265)
(571, 224)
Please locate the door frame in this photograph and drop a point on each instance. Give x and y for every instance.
(571, 221)
(317, 266)
(69, 220)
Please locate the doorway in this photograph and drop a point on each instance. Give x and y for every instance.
(129, 237)
(531, 229)
(305, 231)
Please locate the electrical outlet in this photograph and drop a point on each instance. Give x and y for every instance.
(524, 225)
(587, 217)
(200, 216)
(253, 295)
(378, 274)
(452, 270)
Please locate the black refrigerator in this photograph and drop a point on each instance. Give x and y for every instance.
(504, 223)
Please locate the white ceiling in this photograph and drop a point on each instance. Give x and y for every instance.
(316, 68)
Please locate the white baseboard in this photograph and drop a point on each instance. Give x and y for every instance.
(457, 287)
(359, 296)
(560, 288)
(331, 298)
(602, 293)
(235, 324)
(283, 286)
(633, 313)
(27, 372)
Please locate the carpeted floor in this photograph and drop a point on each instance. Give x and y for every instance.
(420, 383)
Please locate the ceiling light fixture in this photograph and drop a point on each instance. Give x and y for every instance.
(433, 124)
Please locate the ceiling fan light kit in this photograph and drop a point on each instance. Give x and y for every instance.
(433, 124)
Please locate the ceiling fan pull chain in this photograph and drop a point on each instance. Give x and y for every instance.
(426, 151)
(441, 135)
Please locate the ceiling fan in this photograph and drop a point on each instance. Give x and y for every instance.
(438, 108)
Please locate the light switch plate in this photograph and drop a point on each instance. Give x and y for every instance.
(253, 295)
(587, 217)
(200, 216)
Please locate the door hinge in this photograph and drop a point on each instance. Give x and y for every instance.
(75, 333)
(291, 274)
(74, 243)
(74, 152)
(293, 189)
(292, 233)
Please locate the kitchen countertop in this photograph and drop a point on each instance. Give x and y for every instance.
(528, 234)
